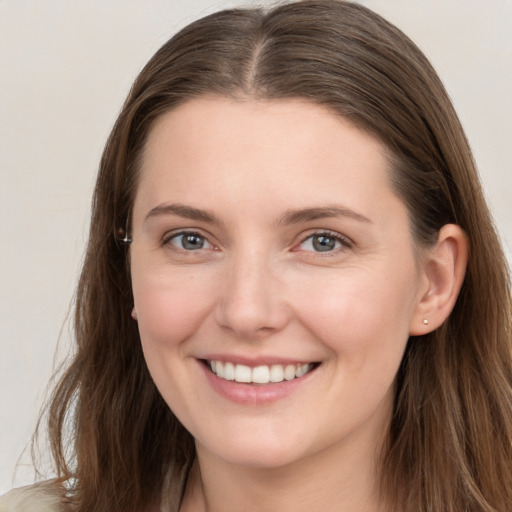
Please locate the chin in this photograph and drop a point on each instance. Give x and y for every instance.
(255, 452)
(256, 459)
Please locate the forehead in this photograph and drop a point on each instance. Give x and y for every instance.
(223, 121)
(214, 151)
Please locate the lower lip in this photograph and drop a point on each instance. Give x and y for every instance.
(254, 394)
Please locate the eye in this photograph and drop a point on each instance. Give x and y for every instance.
(188, 241)
(323, 242)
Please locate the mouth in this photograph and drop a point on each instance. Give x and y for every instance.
(262, 374)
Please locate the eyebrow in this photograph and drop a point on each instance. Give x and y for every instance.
(288, 218)
(184, 211)
(309, 214)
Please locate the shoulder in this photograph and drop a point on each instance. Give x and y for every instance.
(46, 496)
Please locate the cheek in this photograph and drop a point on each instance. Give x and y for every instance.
(359, 313)
(170, 310)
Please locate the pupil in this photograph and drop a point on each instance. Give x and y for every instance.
(192, 242)
(323, 243)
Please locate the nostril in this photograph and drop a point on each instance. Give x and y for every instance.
(252, 319)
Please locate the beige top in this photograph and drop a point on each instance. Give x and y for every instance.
(49, 496)
(41, 497)
(174, 487)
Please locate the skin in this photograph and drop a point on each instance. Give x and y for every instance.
(259, 288)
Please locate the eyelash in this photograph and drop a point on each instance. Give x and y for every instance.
(343, 241)
(167, 239)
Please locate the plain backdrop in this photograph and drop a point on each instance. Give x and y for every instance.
(65, 68)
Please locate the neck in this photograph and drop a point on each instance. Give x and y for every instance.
(341, 478)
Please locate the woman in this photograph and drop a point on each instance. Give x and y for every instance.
(293, 296)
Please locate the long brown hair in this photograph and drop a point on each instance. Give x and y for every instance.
(449, 446)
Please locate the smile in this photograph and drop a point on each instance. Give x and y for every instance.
(263, 374)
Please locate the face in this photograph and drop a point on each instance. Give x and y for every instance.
(274, 278)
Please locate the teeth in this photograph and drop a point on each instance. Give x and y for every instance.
(289, 372)
(229, 371)
(276, 373)
(242, 373)
(259, 374)
(301, 370)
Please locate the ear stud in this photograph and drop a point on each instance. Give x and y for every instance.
(122, 233)
(425, 321)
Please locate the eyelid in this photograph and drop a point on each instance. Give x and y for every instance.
(345, 241)
(169, 235)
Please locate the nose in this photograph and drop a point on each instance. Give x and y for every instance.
(252, 302)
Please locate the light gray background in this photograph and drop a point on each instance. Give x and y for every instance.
(65, 68)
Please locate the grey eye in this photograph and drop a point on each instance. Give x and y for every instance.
(322, 242)
(189, 241)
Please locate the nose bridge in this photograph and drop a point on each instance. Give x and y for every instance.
(252, 301)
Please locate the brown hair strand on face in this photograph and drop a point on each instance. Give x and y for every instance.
(450, 442)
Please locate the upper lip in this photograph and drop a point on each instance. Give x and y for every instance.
(257, 361)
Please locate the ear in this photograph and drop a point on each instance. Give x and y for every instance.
(134, 313)
(443, 267)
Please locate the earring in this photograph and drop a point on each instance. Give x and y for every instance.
(122, 234)
(124, 237)
(425, 321)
